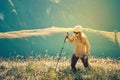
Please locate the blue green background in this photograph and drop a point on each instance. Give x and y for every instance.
(102, 15)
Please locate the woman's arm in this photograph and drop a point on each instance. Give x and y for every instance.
(87, 45)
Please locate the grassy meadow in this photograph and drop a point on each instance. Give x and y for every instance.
(45, 68)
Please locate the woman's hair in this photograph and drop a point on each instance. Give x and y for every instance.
(80, 36)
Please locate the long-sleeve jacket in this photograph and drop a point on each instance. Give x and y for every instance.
(81, 43)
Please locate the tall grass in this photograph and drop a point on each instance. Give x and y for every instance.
(44, 68)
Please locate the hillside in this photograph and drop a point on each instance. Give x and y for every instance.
(45, 69)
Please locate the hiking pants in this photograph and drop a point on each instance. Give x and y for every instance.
(74, 60)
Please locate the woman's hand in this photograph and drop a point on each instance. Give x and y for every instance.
(67, 35)
(87, 52)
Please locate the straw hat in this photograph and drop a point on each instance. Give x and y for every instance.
(77, 28)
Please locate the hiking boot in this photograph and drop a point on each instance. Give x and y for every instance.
(74, 70)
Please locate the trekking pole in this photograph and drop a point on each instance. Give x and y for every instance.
(60, 52)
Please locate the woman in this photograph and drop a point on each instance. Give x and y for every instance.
(82, 47)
